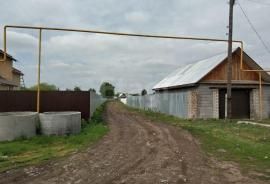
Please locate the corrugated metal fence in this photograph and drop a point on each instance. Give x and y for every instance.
(95, 101)
(81, 101)
(173, 103)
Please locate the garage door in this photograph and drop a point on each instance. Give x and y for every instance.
(240, 103)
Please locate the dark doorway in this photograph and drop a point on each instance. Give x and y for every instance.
(240, 103)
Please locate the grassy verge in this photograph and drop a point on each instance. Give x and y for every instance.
(247, 145)
(24, 152)
(265, 121)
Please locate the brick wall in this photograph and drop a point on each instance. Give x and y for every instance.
(215, 103)
(192, 104)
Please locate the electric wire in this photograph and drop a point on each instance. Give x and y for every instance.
(253, 28)
(262, 3)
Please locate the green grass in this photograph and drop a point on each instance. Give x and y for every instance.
(38, 149)
(265, 121)
(247, 145)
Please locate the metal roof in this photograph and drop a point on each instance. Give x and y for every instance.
(191, 73)
(8, 56)
(16, 71)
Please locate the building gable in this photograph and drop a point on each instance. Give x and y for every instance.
(220, 72)
(9, 76)
(213, 70)
(6, 69)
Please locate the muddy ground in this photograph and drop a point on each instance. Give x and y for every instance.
(135, 150)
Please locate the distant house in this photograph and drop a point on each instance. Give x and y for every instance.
(10, 77)
(123, 98)
(122, 95)
(198, 90)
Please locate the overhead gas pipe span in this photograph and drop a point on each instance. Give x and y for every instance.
(120, 34)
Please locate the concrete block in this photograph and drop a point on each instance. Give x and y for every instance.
(60, 123)
(15, 125)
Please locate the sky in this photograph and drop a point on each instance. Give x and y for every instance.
(130, 64)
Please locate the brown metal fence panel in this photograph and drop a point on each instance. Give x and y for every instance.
(50, 101)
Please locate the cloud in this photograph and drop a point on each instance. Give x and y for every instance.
(20, 42)
(137, 17)
(130, 63)
(59, 64)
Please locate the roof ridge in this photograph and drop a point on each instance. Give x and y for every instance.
(8, 55)
(194, 72)
(219, 54)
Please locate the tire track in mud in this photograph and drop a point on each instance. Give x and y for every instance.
(136, 150)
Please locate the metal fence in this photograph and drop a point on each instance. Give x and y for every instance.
(82, 101)
(95, 101)
(173, 103)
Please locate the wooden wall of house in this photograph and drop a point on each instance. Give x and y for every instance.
(16, 79)
(3, 87)
(220, 72)
(6, 69)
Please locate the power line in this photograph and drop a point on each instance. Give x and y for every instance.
(262, 3)
(254, 29)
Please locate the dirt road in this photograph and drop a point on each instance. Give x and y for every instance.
(135, 150)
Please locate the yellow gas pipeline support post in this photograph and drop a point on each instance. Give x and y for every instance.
(260, 81)
(39, 64)
(116, 34)
(4, 44)
(95, 32)
(260, 96)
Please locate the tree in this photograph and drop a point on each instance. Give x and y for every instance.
(106, 90)
(44, 87)
(77, 88)
(144, 92)
(92, 90)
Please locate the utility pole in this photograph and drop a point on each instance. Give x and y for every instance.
(229, 66)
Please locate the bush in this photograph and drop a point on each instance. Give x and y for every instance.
(98, 114)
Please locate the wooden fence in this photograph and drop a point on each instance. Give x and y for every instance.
(49, 101)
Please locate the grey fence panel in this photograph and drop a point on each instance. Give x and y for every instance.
(95, 101)
(173, 103)
(178, 104)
